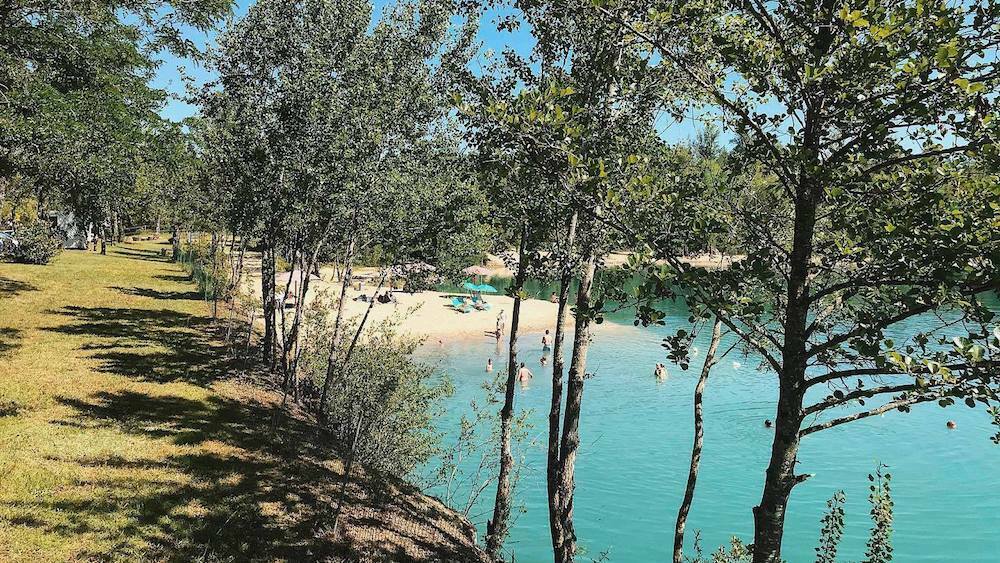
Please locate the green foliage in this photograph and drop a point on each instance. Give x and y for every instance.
(210, 268)
(879, 547)
(36, 244)
(479, 439)
(77, 111)
(384, 395)
(832, 529)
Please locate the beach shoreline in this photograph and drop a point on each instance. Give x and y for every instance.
(429, 315)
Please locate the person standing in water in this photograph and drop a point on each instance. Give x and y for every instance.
(660, 372)
(489, 365)
(524, 374)
(545, 341)
(500, 323)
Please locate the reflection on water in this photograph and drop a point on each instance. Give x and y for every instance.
(636, 438)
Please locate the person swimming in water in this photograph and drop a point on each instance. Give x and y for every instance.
(489, 365)
(767, 423)
(660, 371)
(545, 341)
(524, 374)
(951, 425)
(544, 359)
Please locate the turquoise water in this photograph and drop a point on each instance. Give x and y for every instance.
(636, 441)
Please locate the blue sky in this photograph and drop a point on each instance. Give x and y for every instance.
(171, 74)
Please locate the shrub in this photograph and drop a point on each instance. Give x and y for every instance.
(383, 399)
(36, 244)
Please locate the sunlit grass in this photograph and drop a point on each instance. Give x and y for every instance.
(125, 434)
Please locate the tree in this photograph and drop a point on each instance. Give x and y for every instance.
(75, 105)
(875, 124)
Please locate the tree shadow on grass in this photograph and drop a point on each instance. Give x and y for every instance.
(190, 295)
(251, 481)
(180, 278)
(140, 254)
(10, 340)
(257, 489)
(159, 345)
(11, 287)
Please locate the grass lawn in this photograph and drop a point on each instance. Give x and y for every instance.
(125, 434)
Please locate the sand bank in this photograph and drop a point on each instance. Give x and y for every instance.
(430, 314)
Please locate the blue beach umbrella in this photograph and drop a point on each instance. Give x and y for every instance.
(486, 288)
(469, 286)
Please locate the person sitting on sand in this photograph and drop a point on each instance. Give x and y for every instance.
(384, 298)
(554, 298)
(545, 340)
(489, 365)
(362, 298)
(524, 374)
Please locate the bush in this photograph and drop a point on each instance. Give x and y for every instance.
(36, 244)
(383, 396)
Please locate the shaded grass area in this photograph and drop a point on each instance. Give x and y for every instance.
(126, 434)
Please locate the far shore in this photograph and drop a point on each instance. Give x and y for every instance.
(429, 314)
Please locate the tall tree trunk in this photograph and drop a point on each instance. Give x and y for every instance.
(175, 244)
(780, 478)
(552, 465)
(267, 297)
(215, 274)
(699, 435)
(331, 359)
(566, 551)
(498, 527)
(346, 479)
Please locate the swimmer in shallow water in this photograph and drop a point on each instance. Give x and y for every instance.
(524, 374)
(767, 423)
(545, 341)
(660, 372)
(951, 425)
(489, 365)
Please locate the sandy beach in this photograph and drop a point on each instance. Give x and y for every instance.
(429, 313)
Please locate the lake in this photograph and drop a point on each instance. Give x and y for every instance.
(636, 441)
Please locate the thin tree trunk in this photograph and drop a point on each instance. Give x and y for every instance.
(267, 297)
(497, 528)
(552, 465)
(699, 435)
(347, 477)
(337, 322)
(286, 375)
(215, 275)
(566, 551)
